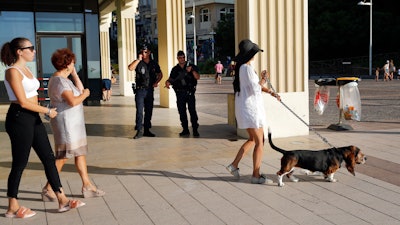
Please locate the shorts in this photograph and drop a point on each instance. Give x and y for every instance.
(106, 84)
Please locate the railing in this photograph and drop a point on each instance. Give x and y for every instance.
(353, 66)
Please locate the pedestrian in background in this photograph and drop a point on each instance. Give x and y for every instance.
(25, 128)
(231, 69)
(218, 72)
(392, 69)
(183, 78)
(249, 109)
(377, 73)
(398, 74)
(148, 75)
(386, 72)
(106, 89)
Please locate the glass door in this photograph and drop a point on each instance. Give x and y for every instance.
(47, 45)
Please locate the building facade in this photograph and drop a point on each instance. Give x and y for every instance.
(51, 25)
(280, 27)
(201, 19)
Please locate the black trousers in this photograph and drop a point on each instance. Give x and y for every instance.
(144, 99)
(26, 131)
(188, 98)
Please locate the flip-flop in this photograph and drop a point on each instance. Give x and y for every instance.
(72, 204)
(22, 212)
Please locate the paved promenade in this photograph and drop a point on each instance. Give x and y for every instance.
(169, 180)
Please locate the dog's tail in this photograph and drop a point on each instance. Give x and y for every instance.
(272, 144)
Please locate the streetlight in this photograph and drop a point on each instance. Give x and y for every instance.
(370, 32)
(212, 43)
(194, 35)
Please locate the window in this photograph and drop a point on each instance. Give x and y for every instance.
(21, 26)
(59, 22)
(189, 19)
(204, 15)
(223, 13)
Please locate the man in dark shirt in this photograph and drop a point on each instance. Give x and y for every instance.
(148, 75)
(183, 78)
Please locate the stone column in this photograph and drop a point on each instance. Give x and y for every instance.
(105, 22)
(171, 39)
(126, 43)
(280, 27)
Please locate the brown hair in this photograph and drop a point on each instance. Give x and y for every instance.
(9, 50)
(61, 58)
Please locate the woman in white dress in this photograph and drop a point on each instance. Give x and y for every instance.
(249, 108)
(69, 125)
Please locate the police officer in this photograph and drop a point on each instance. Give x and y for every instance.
(183, 78)
(148, 75)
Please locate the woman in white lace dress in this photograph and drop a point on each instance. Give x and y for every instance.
(249, 108)
(69, 126)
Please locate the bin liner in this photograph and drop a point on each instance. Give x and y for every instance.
(321, 98)
(350, 101)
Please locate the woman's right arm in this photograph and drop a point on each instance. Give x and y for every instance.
(73, 100)
(77, 80)
(14, 78)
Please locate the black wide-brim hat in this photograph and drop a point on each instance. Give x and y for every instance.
(247, 50)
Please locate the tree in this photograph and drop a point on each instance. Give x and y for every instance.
(340, 28)
(225, 38)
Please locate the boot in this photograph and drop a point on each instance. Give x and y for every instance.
(195, 132)
(138, 135)
(147, 133)
(185, 132)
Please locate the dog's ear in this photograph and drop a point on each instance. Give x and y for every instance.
(350, 159)
(350, 168)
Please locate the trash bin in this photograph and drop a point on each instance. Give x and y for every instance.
(348, 101)
(321, 95)
(326, 82)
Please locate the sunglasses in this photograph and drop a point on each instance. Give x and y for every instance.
(30, 48)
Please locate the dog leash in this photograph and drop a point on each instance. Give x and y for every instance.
(287, 107)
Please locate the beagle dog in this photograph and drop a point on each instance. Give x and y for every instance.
(326, 161)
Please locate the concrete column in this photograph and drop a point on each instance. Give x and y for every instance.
(126, 43)
(280, 27)
(171, 39)
(105, 22)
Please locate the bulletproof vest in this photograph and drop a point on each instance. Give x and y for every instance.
(142, 75)
(184, 80)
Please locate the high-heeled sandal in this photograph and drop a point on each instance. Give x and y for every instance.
(48, 195)
(89, 193)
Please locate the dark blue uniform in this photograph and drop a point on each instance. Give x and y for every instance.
(146, 76)
(184, 85)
